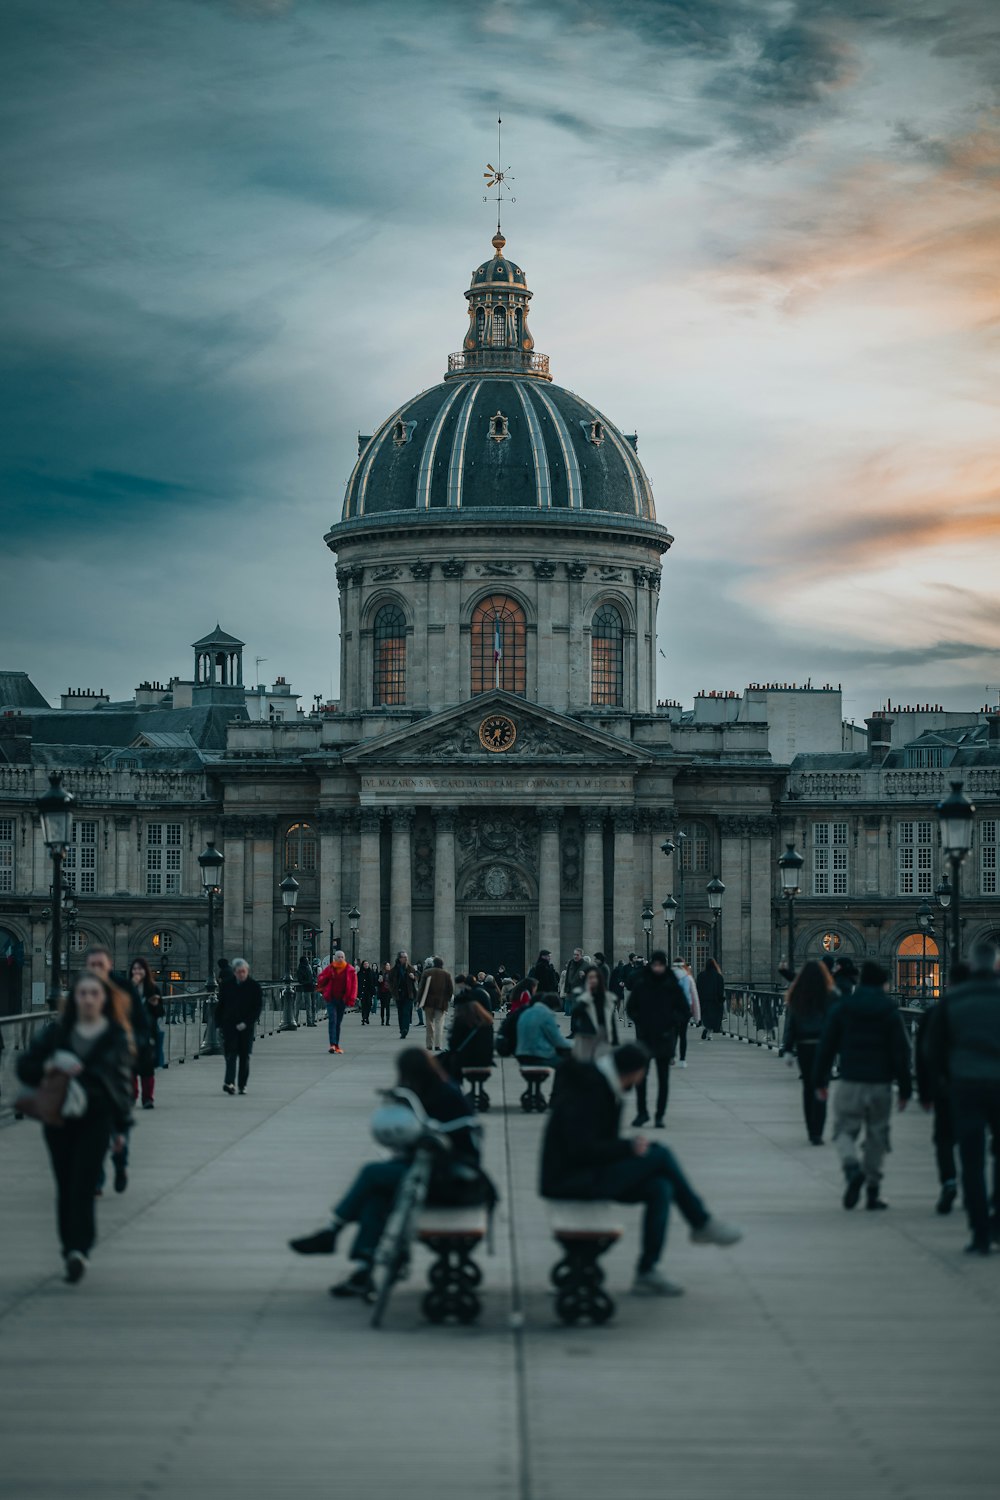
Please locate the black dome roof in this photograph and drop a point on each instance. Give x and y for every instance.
(496, 440)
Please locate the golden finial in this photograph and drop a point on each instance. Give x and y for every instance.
(498, 242)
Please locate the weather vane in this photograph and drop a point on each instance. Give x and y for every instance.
(498, 177)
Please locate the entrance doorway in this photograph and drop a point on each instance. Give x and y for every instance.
(494, 941)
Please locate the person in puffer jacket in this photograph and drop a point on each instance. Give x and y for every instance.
(338, 984)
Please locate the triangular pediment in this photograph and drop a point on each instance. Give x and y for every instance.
(456, 737)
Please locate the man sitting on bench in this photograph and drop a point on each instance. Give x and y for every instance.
(540, 1040)
(583, 1156)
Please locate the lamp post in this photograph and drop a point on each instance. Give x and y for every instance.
(672, 847)
(211, 861)
(55, 808)
(354, 921)
(669, 917)
(955, 815)
(289, 889)
(70, 912)
(647, 927)
(715, 890)
(943, 893)
(790, 869)
(925, 917)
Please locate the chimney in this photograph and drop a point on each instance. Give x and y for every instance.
(879, 737)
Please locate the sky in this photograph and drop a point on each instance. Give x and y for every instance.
(764, 234)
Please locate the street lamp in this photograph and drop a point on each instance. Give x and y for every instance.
(925, 916)
(354, 922)
(715, 890)
(55, 808)
(647, 927)
(790, 869)
(289, 889)
(669, 917)
(955, 815)
(211, 861)
(672, 847)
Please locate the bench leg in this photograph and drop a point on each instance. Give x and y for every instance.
(454, 1277)
(533, 1098)
(478, 1097)
(579, 1281)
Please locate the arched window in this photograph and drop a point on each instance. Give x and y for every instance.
(499, 327)
(830, 942)
(696, 848)
(918, 969)
(389, 660)
(168, 960)
(300, 850)
(607, 657)
(697, 945)
(498, 645)
(480, 325)
(519, 325)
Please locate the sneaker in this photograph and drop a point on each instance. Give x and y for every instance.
(815, 1140)
(229, 1088)
(654, 1284)
(242, 1091)
(945, 1203)
(339, 1051)
(974, 1247)
(659, 1123)
(683, 1062)
(323, 1242)
(76, 1266)
(121, 1177)
(874, 1202)
(716, 1232)
(357, 1285)
(641, 1119)
(331, 1049)
(147, 1104)
(852, 1192)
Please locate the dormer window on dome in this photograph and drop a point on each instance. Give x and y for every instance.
(402, 432)
(594, 431)
(498, 427)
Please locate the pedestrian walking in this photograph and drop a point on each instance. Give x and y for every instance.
(934, 1093)
(571, 978)
(141, 976)
(367, 989)
(711, 987)
(83, 1061)
(592, 1023)
(584, 1156)
(236, 1015)
(659, 1010)
(964, 1049)
(808, 1002)
(403, 989)
(686, 980)
(436, 990)
(866, 1032)
(338, 984)
(385, 995)
(544, 971)
(97, 960)
(305, 984)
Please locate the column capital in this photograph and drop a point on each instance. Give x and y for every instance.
(259, 828)
(624, 819)
(744, 826)
(403, 817)
(445, 819)
(231, 826)
(329, 821)
(550, 820)
(122, 822)
(592, 819)
(369, 819)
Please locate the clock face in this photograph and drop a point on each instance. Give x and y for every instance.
(497, 732)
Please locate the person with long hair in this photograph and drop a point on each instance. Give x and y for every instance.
(711, 989)
(142, 979)
(367, 989)
(470, 1042)
(592, 1022)
(92, 1045)
(808, 1000)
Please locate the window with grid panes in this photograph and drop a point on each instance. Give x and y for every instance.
(695, 849)
(300, 850)
(80, 863)
(914, 858)
(163, 859)
(988, 856)
(607, 656)
(829, 859)
(698, 945)
(6, 854)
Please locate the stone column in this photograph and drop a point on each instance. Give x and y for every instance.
(592, 936)
(444, 885)
(400, 881)
(734, 952)
(330, 877)
(627, 903)
(370, 885)
(124, 846)
(550, 886)
(762, 859)
(266, 956)
(230, 942)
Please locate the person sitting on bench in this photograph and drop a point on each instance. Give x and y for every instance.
(583, 1156)
(470, 1042)
(540, 1041)
(368, 1201)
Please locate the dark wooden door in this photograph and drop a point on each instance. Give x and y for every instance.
(494, 941)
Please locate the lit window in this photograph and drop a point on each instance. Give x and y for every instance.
(830, 942)
(830, 859)
(607, 653)
(498, 645)
(918, 970)
(389, 662)
(697, 945)
(300, 850)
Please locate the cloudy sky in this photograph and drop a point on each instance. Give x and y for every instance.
(763, 233)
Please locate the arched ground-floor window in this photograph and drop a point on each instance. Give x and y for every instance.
(918, 969)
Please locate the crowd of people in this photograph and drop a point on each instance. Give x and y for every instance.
(85, 1072)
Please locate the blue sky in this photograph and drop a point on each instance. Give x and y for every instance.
(765, 235)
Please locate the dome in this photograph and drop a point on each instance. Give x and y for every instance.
(498, 441)
(496, 433)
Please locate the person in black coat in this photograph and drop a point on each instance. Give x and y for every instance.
(712, 994)
(98, 961)
(659, 1010)
(544, 971)
(236, 1014)
(367, 990)
(808, 1002)
(88, 1044)
(470, 1042)
(583, 1156)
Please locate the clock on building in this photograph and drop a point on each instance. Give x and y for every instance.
(497, 732)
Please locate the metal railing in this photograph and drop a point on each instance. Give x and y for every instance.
(754, 1014)
(499, 359)
(183, 1034)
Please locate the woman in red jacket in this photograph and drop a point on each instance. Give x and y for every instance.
(338, 984)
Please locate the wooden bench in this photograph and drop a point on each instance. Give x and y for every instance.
(477, 1095)
(584, 1229)
(452, 1234)
(534, 1075)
